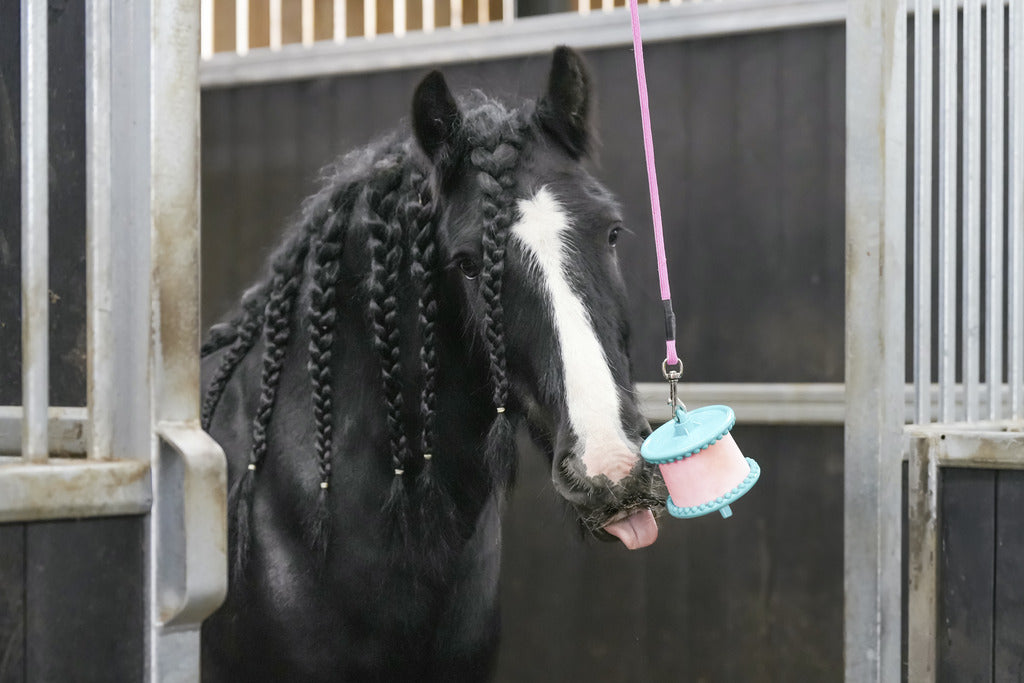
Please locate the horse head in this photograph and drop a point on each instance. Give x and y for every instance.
(527, 243)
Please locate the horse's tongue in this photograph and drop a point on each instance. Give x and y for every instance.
(639, 530)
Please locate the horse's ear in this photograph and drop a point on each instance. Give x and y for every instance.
(564, 111)
(435, 116)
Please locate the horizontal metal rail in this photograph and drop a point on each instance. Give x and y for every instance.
(71, 488)
(530, 35)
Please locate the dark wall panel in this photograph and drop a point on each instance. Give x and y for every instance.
(1008, 597)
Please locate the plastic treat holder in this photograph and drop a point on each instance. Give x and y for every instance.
(703, 467)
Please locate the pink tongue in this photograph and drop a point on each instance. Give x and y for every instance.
(639, 530)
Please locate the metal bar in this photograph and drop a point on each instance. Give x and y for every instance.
(99, 242)
(35, 247)
(206, 29)
(189, 474)
(308, 23)
(400, 19)
(276, 25)
(996, 174)
(428, 16)
(340, 27)
(508, 11)
(67, 430)
(996, 445)
(607, 5)
(483, 11)
(71, 488)
(922, 560)
(971, 208)
(369, 19)
(876, 185)
(242, 27)
(1015, 241)
(922, 361)
(947, 208)
(583, 7)
(527, 36)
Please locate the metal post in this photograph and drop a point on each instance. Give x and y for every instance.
(308, 23)
(1015, 243)
(947, 209)
(35, 246)
(242, 27)
(971, 208)
(924, 12)
(207, 20)
(370, 19)
(276, 25)
(398, 11)
(875, 308)
(456, 14)
(99, 295)
(339, 8)
(994, 209)
(428, 16)
(922, 560)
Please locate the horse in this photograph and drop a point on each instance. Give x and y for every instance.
(451, 288)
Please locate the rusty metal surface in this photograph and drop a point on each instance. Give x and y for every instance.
(997, 445)
(66, 431)
(71, 488)
(922, 560)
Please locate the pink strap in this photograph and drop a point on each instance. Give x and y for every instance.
(652, 181)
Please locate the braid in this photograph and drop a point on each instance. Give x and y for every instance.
(327, 252)
(245, 330)
(386, 250)
(497, 182)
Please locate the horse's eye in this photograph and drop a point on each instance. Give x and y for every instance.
(613, 236)
(470, 268)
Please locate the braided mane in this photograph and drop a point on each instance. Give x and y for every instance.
(387, 193)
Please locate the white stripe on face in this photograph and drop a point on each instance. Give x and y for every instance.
(591, 395)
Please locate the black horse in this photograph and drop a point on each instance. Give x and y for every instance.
(444, 288)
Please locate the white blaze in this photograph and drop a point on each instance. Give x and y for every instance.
(591, 395)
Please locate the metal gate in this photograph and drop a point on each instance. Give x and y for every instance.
(137, 447)
(974, 415)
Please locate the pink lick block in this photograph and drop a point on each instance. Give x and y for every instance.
(707, 474)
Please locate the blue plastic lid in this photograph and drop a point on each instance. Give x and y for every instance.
(690, 432)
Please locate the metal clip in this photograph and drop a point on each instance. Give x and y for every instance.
(673, 376)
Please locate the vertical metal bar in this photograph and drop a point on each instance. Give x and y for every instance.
(994, 208)
(971, 209)
(369, 19)
(508, 11)
(876, 185)
(483, 11)
(276, 25)
(308, 23)
(341, 20)
(1015, 242)
(922, 560)
(456, 13)
(583, 6)
(607, 5)
(924, 13)
(206, 27)
(242, 27)
(947, 209)
(35, 245)
(99, 295)
(399, 15)
(428, 16)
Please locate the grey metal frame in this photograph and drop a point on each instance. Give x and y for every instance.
(146, 452)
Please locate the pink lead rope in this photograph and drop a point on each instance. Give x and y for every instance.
(671, 358)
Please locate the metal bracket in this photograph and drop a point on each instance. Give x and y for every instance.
(190, 533)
